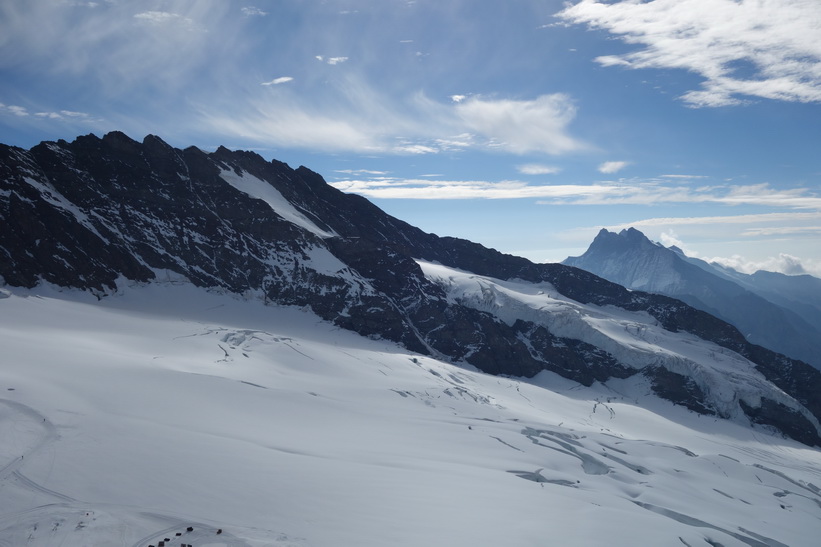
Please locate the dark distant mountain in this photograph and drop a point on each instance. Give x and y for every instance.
(773, 310)
(98, 212)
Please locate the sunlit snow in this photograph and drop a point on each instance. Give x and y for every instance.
(260, 189)
(634, 338)
(128, 420)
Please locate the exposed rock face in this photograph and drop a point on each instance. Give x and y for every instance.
(88, 213)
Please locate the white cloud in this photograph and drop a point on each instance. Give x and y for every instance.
(670, 239)
(522, 126)
(783, 263)
(397, 188)
(764, 48)
(537, 169)
(277, 81)
(458, 98)
(68, 116)
(251, 11)
(330, 60)
(612, 166)
(17, 110)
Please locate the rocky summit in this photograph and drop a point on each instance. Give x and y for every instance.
(96, 212)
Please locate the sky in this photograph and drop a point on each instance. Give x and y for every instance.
(526, 126)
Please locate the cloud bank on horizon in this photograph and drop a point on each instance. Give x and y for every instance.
(524, 126)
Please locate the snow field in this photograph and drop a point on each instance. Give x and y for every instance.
(163, 407)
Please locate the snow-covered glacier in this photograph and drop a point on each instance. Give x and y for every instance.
(165, 409)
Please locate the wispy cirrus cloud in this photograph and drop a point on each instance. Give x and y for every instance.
(660, 191)
(765, 48)
(165, 58)
(358, 118)
(392, 188)
(622, 192)
(687, 177)
(117, 46)
(537, 169)
(165, 18)
(783, 230)
(361, 172)
(761, 218)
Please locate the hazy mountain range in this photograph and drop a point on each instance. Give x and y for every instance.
(777, 311)
(198, 341)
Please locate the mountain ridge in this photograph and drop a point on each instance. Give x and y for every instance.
(84, 214)
(768, 318)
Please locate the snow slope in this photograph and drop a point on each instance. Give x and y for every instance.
(127, 420)
(633, 338)
(257, 188)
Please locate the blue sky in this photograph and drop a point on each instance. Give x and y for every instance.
(526, 126)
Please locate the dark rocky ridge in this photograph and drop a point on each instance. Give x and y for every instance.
(85, 213)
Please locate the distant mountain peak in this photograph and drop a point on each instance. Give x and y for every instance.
(760, 305)
(627, 238)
